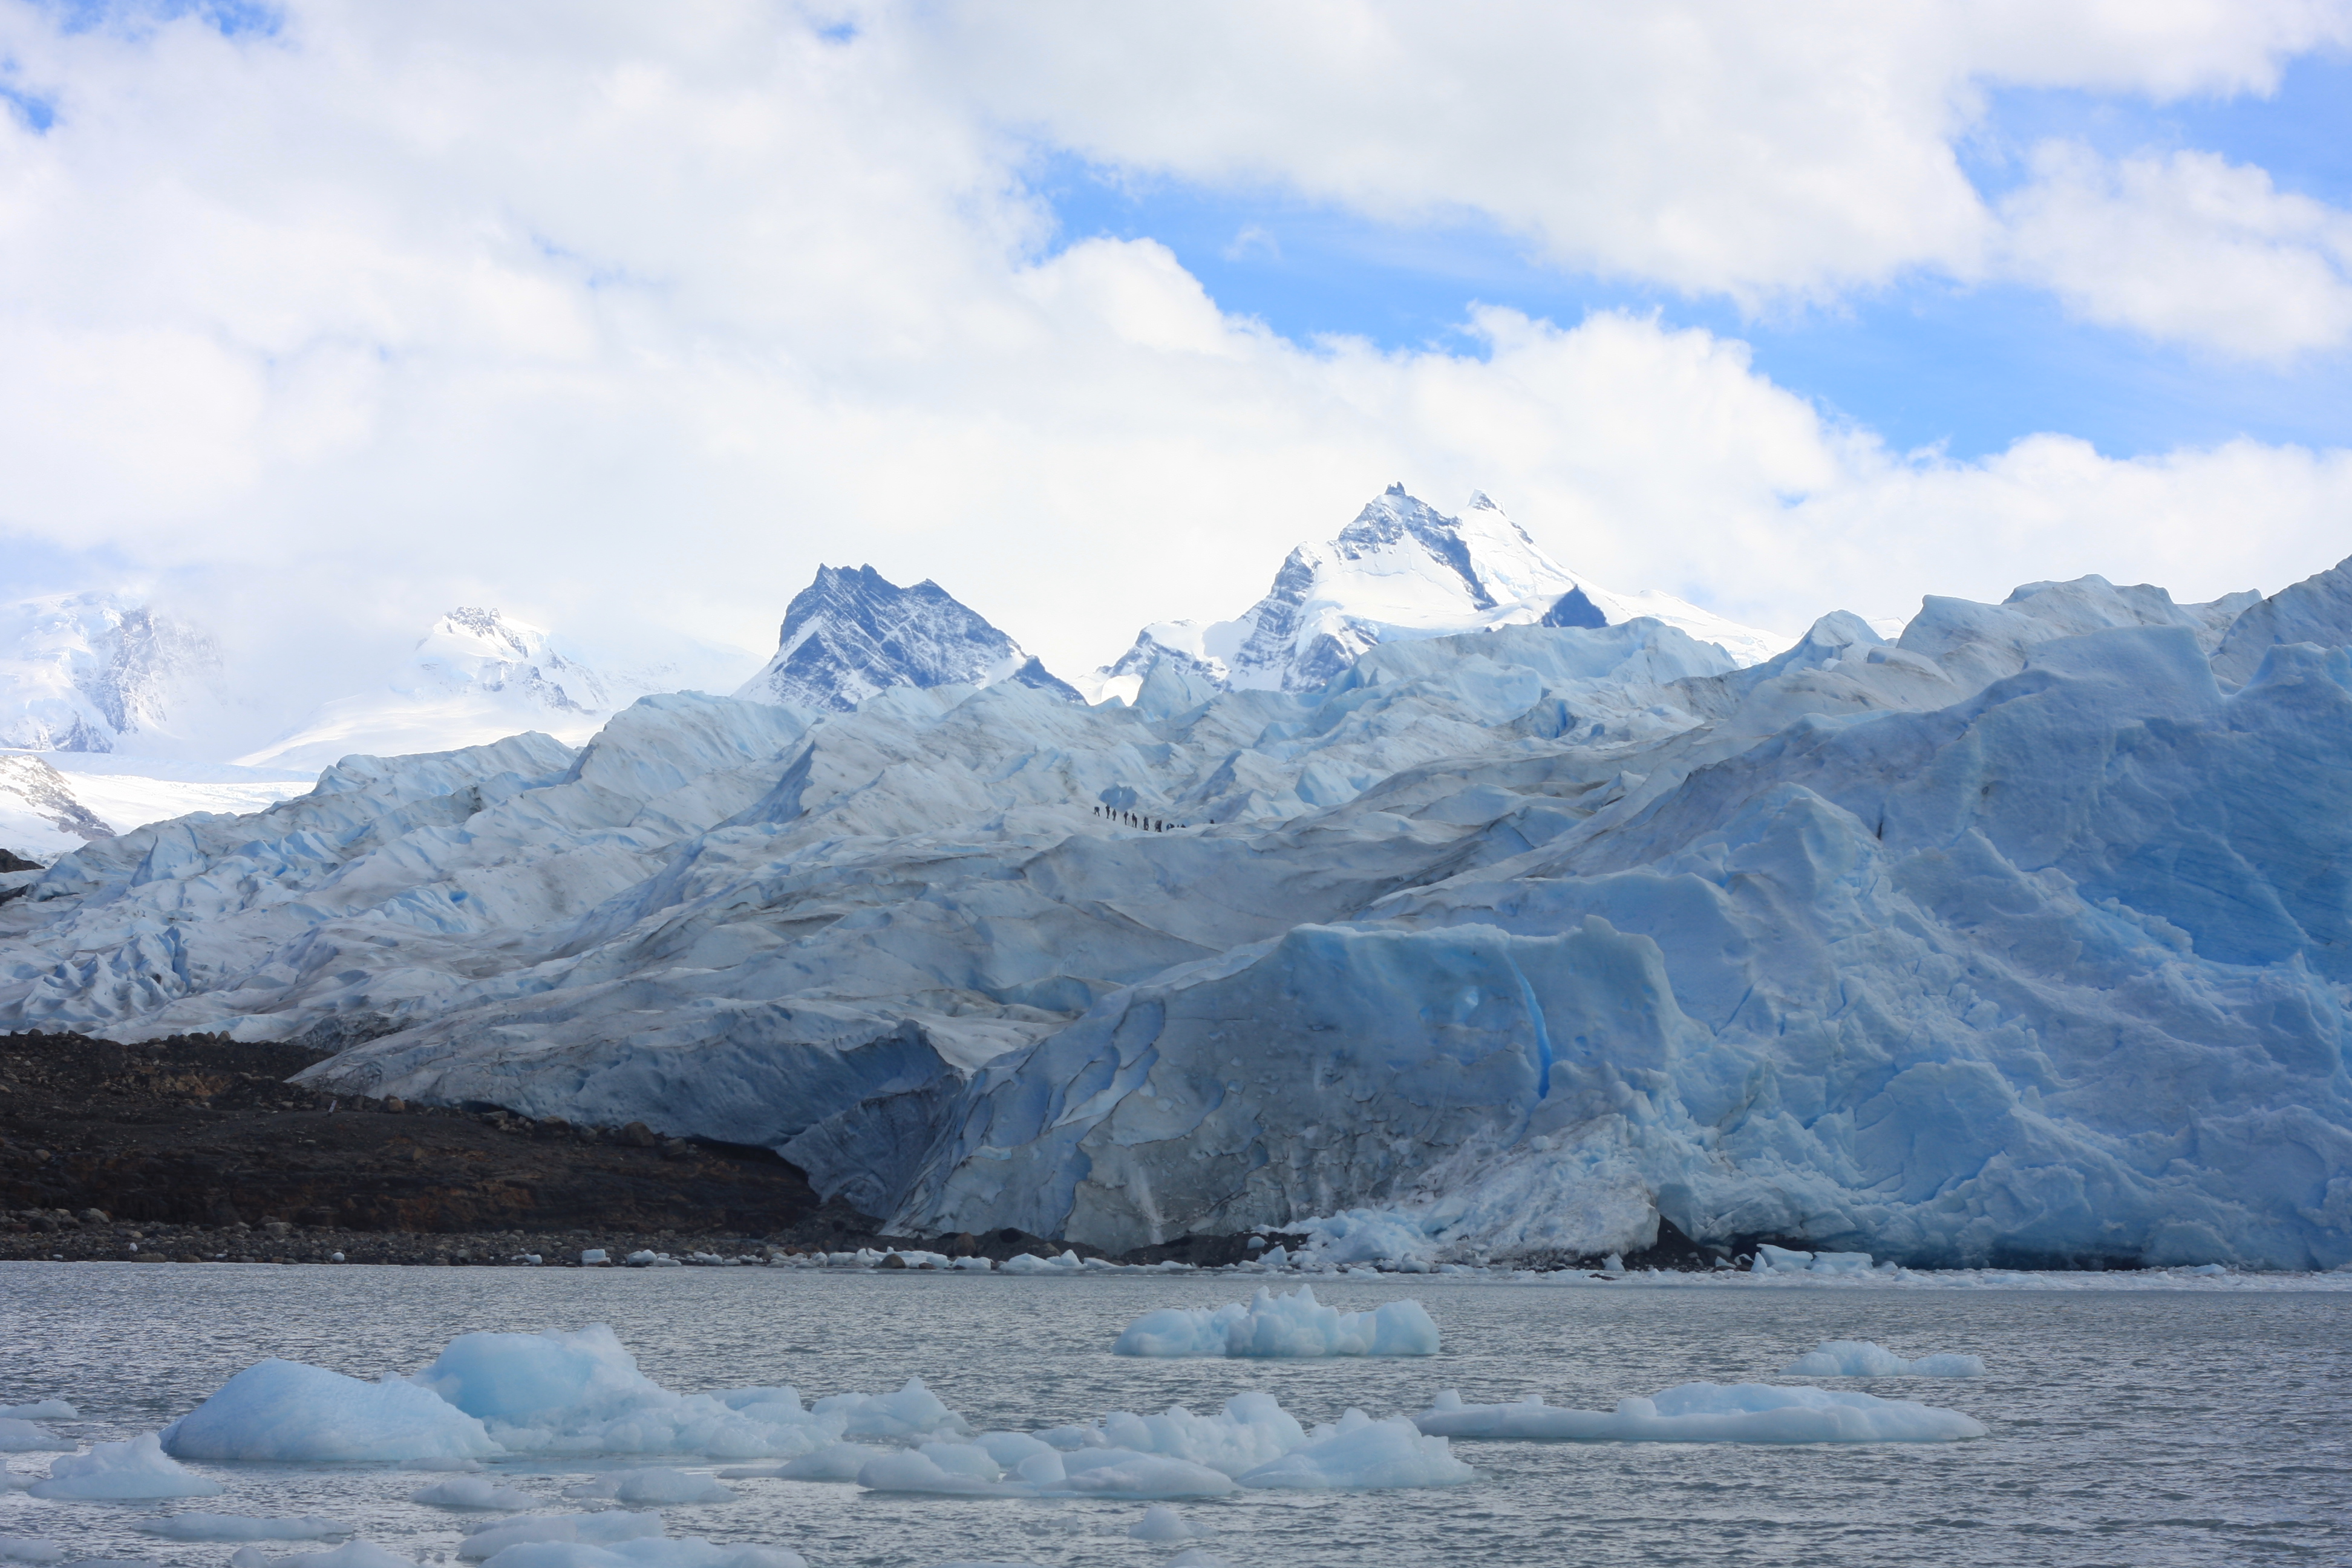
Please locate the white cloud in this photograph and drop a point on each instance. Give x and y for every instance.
(625, 320)
(2189, 247)
(1755, 151)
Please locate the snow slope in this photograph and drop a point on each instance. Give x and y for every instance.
(476, 675)
(1403, 569)
(101, 672)
(2022, 937)
(851, 634)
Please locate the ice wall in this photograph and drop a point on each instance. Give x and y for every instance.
(2026, 936)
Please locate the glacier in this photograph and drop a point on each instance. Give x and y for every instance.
(2021, 937)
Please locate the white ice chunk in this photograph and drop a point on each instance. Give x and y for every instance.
(1865, 1358)
(682, 1552)
(286, 1411)
(834, 1462)
(29, 1548)
(581, 1393)
(40, 1410)
(1271, 1325)
(350, 1555)
(655, 1485)
(913, 1411)
(1030, 1263)
(1161, 1523)
(592, 1528)
(238, 1527)
(1710, 1413)
(968, 1469)
(137, 1467)
(1252, 1429)
(27, 1437)
(473, 1491)
(1359, 1454)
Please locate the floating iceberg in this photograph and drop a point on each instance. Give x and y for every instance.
(1250, 1430)
(978, 1469)
(679, 1552)
(1359, 1454)
(1161, 1523)
(29, 1437)
(286, 1411)
(1709, 1413)
(657, 1486)
(137, 1467)
(30, 1549)
(237, 1527)
(473, 1492)
(1864, 1358)
(350, 1555)
(39, 1410)
(580, 1392)
(607, 1529)
(1272, 1325)
(834, 1462)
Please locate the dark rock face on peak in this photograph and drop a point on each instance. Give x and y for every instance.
(1573, 609)
(850, 635)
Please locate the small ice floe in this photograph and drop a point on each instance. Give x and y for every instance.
(1161, 1523)
(1271, 1325)
(834, 1462)
(39, 1410)
(286, 1411)
(1252, 1442)
(350, 1555)
(1030, 1263)
(30, 1549)
(1770, 1259)
(136, 1468)
(1864, 1358)
(1710, 1413)
(473, 1492)
(649, 1260)
(992, 1469)
(29, 1437)
(238, 1527)
(485, 1542)
(1359, 1454)
(656, 1485)
(590, 1257)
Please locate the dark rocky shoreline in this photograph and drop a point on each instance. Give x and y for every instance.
(195, 1149)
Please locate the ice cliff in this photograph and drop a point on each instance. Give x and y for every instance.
(2026, 936)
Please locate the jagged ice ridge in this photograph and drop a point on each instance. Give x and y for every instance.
(2023, 937)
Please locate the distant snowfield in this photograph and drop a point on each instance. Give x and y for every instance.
(131, 791)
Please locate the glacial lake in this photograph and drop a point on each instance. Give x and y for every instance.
(2130, 1426)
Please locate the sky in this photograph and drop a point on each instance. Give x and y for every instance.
(317, 318)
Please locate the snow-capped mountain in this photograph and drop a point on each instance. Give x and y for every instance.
(103, 672)
(849, 635)
(40, 818)
(476, 675)
(1401, 570)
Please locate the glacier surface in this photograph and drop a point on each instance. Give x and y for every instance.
(2023, 937)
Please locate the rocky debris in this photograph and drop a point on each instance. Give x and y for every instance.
(200, 1132)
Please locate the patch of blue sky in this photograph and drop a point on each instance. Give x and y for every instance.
(232, 18)
(1924, 362)
(29, 108)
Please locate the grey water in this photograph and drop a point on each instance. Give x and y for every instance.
(2133, 1427)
